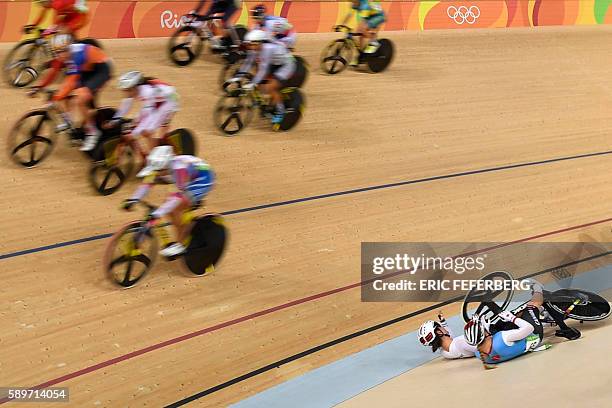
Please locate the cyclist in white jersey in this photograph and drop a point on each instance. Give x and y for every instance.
(159, 103)
(275, 64)
(438, 335)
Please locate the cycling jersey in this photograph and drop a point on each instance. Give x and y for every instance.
(69, 13)
(227, 7)
(192, 176)
(273, 58)
(367, 9)
(504, 349)
(279, 28)
(459, 349)
(159, 103)
(83, 61)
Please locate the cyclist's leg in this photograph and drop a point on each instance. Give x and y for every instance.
(227, 15)
(91, 83)
(374, 25)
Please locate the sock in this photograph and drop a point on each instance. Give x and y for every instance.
(280, 108)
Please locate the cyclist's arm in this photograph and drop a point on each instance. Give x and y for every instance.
(524, 329)
(56, 67)
(248, 62)
(264, 63)
(124, 108)
(69, 85)
(144, 188)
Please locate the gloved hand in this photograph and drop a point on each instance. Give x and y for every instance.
(27, 29)
(507, 316)
(248, 87)
(128, 204)
(33, 91)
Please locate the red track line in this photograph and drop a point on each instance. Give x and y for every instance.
(264, 312)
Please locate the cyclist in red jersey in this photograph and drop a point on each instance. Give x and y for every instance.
(70, 17)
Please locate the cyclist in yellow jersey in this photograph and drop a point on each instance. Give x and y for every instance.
(370, 17)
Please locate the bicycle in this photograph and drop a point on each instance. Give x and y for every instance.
(231, 68)
(338, 54)
(115, 162)
(31, 57)
(187, 42)
(234, 111)
(573, 304)
(132, 251)
(32, 138)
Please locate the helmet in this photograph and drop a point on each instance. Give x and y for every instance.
(474, 330)
(258, 12)
(130, 79)
(159, 159)
(61, 42)
(256, 36)
(427, 332)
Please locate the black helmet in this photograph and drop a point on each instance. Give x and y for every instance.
(259, 11)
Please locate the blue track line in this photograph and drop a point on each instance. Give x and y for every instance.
(330, 195)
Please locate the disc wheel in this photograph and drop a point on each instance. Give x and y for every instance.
(336, 56)
(185, 46)
(24, 63)
(182, 141)
(233, 112)
(32, 138)
(596, 307)
(208, 237)
(130, 255)
(380, 60)
(294, 108)
(107, 176)
(483, 300)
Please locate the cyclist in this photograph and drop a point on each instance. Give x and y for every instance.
(438, 335)
(225, 7)
(275, 64)
(159, 103)
(279, 28)
(512, 336)
(87, 69)
(193, 178)
(370, 17)
(70, 16)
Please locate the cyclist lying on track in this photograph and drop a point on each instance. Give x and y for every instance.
(279, 28)
(225, 7)
(193, 178)
(159, 103)
(437, 334)
(87, 70)
(512, 336)
(276, 65)
(370, 17)
(70, 16)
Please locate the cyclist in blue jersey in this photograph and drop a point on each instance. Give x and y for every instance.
(513, 335)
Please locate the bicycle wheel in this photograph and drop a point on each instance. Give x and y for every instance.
(32, 138)
(185, 45)
(294, 108)
(107, 176)
(380, 60)
(208, 236)
(487, 302)
(233, 112)
(130, 255)
(24, 63)
(182, 140)
(336, 56)
(596, 307)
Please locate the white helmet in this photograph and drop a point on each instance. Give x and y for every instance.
(475, 330)
(279, 26)
(159, 159)
(427, 332)
(256, 36)
(130, 79)
(60, 42)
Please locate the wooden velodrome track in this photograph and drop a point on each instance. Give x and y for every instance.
(452, 102)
